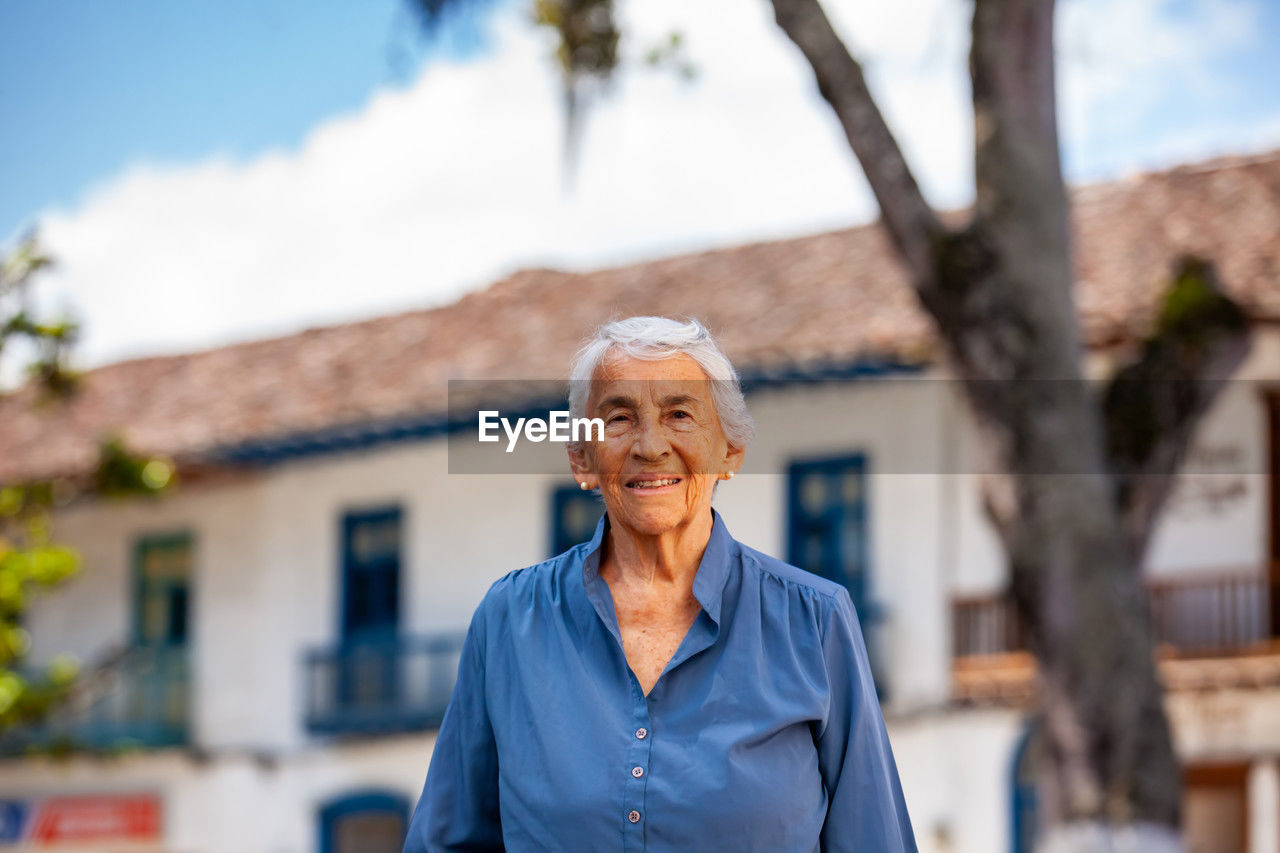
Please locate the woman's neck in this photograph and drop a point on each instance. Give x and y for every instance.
(666, 562)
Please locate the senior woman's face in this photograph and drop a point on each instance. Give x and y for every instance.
(663, 447)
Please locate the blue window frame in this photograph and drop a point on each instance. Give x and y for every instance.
(370, 674)
(370, 607)
(574, 515)
(364, 822)
(828, 533)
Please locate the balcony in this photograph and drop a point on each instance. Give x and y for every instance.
(136, 698)
(380, 687)
(1221, 616)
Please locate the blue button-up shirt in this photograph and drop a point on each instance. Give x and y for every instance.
(763, 732)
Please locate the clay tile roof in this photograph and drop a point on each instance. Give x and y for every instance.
(829, 298)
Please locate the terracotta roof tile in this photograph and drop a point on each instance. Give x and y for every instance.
(831, 297)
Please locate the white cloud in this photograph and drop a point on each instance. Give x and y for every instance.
(454, 181)
(1125, 62)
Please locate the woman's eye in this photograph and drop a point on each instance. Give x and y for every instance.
(680, 413)
(617, 418)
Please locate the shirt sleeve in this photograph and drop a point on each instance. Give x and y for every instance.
(865, 806)
(458, 809)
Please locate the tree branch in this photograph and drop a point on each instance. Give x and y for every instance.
(912, 224)
(1151, 407)
(1017, 169)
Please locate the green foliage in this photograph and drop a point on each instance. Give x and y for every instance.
(671, 54)
(121, 474)
(586, 52)
(1147, 399)
(588, 36)
(1195, 306)
(51, 339)
(31, 560)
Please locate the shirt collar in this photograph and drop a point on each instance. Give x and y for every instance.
(713, 571)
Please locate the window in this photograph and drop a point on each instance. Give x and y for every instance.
(368, 822)
(827, 512)
(369, 674)
(162, 572)
(151, 684)
(574, 515)
(370, 574)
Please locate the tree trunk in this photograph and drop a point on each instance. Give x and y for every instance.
(1000, 292)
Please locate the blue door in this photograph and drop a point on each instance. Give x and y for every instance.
(366, 822)
(368, 676)
(827, 531)
(574, 515)
(371, 574)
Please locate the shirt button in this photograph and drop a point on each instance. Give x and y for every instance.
(642, 733)
(634, 816)
(637, 772)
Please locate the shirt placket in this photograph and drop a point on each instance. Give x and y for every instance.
(702, 634)
(634, 815)
(635, 770)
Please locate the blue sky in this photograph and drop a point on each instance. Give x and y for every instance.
(1221, 96)
(90, 86)
(210, 172)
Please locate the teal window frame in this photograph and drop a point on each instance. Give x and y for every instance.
(140, 583)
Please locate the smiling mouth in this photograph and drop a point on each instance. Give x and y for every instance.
(652, 483)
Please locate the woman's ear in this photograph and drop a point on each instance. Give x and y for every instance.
(732, 462)
(580, 464)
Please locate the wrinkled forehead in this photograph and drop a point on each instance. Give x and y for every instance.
(649, 381)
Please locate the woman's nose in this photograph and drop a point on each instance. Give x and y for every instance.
(651, 442)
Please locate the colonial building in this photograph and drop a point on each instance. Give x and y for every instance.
(268, 647)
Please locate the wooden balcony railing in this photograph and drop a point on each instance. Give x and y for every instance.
(1206, 615)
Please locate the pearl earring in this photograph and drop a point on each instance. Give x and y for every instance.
(584, 485)
(728, 475)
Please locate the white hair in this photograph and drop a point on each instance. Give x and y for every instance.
(654, 338)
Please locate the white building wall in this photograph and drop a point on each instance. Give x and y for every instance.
(1216, 518)
(237, 802)
(899, 425)
(229, 614)
(267, 573)
(955, 768)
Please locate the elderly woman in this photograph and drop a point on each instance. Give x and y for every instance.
(662, 686)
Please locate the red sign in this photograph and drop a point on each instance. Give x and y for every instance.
(116, 818)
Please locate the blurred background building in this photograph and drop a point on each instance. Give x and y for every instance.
(269, 647)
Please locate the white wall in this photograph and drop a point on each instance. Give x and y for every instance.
(899, 426)
(1216, 517)
(267, 573)
(955, 770)
(267, 567)
(235, 802)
